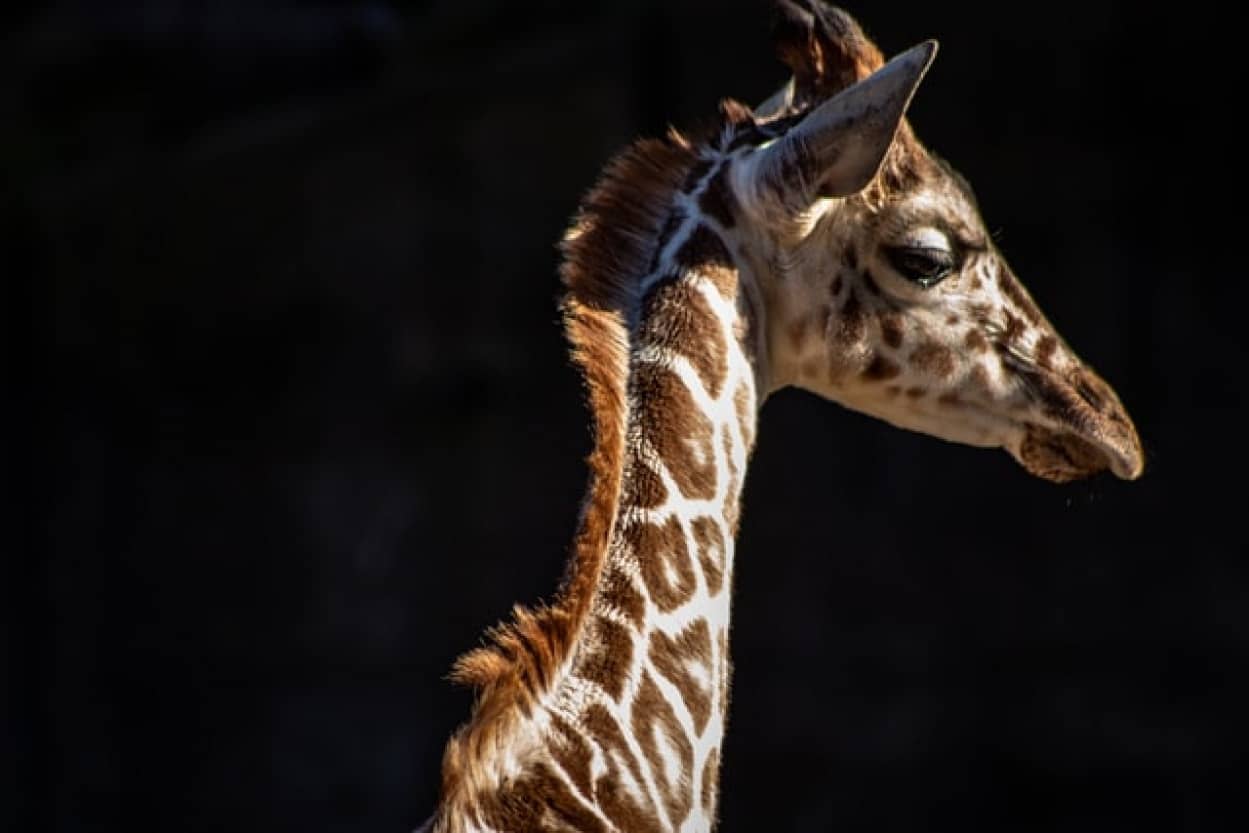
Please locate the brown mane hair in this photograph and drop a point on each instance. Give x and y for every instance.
(607, 251)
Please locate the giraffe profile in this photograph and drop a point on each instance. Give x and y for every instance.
(811, 242)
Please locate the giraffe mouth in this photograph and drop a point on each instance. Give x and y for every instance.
(1061, 456)
(1084, 429)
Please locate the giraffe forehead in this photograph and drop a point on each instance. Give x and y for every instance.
(937, 203)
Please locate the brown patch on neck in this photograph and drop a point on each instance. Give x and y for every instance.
(573, 754)
(681, 434)
(606, 252)
(666, 565)
(613, 799)
(644, 488)
(711, 552)
(705, 253)
(516, 810)
(608, 656)
(679, 314)
(618, 594)
(672, 658)
(653, 717)
(704, 249)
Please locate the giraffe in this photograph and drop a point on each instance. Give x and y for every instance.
(812, 242)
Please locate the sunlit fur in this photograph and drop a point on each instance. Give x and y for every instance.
(971, 359)
(695, 286)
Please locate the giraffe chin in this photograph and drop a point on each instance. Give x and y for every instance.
(1061, 456)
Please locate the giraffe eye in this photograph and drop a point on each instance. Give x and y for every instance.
(925, 265)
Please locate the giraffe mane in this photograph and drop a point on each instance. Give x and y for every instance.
(607, 250)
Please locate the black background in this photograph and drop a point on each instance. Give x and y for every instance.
(295, 421)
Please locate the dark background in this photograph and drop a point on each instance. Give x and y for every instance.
(295, 421)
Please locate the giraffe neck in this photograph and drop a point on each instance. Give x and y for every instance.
(605, 710)
(650, 677)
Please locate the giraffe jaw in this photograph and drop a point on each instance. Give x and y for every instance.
(1058, 456)
(1057, 450)
(1078, 427)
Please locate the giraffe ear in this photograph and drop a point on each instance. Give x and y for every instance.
(836, 150)
(823, 46)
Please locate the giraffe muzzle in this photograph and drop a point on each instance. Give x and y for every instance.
(1084, 428)
(1061, 456)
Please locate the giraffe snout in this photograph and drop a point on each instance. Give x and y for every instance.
(1123, 450)
(1112, 427)
(1079, 429)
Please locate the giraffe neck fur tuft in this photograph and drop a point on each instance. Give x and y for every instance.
(639, 626)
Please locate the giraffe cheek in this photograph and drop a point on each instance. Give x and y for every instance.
(848, 329)
(880, 369)
(812, 371)
(934, 360)
(849, 354)
(844, 368)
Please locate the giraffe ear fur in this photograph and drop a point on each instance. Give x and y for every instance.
(853, 131)
(837, 149)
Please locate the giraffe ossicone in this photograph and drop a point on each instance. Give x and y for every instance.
(816, 243)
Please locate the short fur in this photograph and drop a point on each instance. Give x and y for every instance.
(491, 781)
(610, 244)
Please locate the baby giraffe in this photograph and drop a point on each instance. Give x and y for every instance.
(814, 242)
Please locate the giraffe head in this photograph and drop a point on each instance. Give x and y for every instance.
(883, 291)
